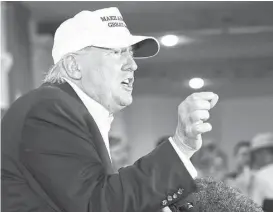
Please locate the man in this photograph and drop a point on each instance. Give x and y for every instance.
(216, 196)
(262, 187)
(241, 154)
(210, 161)
(240, 178)
(55, 144)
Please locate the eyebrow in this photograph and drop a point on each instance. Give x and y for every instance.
(131, 48)
(127, 48)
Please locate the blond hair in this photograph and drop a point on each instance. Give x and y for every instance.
(57, 72)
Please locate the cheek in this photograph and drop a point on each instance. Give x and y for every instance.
(93, 81)
(88, 78)
(112, 75)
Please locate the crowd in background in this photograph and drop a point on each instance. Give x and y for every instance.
(251, 174)
(252, 171)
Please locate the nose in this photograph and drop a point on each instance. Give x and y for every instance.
(131, 64)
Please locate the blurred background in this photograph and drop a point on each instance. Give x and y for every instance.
(228, 45)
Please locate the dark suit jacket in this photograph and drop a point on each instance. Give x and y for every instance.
(54, 159)
(268, 205)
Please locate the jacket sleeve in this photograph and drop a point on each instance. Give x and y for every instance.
(60, 153)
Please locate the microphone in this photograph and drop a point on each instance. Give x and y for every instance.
(216, 196)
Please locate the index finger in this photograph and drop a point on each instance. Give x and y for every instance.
(209, 96)
(204, 95)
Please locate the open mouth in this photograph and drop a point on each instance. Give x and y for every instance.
(128, 83)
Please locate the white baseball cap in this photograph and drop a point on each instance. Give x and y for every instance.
(262, 140)
(102, 28)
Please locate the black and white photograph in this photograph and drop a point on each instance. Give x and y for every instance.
(137, 106)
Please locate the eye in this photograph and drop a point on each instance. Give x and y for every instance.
(127, 52)
(123, 52)
(117, 51)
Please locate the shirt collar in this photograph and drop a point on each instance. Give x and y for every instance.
(101, 115)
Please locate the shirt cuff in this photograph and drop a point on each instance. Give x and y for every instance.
(186, 161)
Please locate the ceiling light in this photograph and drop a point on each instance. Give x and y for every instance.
(196, 83)
(169, 40)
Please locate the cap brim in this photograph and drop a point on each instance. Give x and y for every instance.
(145, 47)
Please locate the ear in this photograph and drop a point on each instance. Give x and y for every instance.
(72, 68)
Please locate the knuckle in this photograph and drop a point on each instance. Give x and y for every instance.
(181, 108)
(206, 114)
(192, 97)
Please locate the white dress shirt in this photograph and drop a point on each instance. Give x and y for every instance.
(104, 119)
(262, 187)
(101, 115)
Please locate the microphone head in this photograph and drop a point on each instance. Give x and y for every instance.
(216, 196)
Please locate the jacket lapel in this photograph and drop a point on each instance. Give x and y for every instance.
(92, 127)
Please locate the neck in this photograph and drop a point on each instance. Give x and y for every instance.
(91, 94)
(98, 97)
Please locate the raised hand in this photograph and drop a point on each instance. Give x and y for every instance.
(192, 114)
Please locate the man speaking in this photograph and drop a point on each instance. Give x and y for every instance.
(55, 148)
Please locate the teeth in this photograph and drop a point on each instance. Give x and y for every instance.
(126, 81)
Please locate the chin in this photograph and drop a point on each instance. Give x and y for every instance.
(122, 101)
(125, 100)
